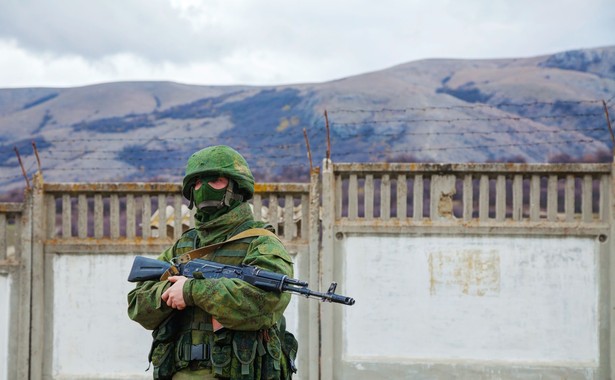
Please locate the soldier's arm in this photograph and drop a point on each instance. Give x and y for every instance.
(237, 304)
(145, 304)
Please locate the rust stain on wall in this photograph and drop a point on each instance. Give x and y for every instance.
(471, 272)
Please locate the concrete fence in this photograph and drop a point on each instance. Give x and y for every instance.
(459, 271)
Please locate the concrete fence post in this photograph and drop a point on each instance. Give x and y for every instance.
(37, 328)
(24, 284)
(313, 343)
(609, 356)
(326, 269)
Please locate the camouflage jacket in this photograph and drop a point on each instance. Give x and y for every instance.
(232, 302)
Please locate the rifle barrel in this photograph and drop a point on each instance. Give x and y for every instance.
(325, 297)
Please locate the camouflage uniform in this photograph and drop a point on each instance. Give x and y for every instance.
(253, 343)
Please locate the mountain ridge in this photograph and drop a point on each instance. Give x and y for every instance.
(439, 110)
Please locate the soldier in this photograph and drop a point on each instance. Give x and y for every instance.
(218, 328)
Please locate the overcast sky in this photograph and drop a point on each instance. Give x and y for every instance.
(80, 42)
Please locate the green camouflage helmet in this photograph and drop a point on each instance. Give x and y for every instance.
(223, 161)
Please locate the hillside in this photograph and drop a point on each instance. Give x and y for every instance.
(539, 109)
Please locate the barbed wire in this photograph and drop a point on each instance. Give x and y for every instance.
(465, 106)
(460, 119)
(289, 153)
(348, 110)
(162, 139)
(583, 141)
(315, 131)
(132, 149)
(317, 123)
(217, 136)
(486, 133)
(177, 171)
(301, 146)
(95, 155)
(158, 158)
(301, 154)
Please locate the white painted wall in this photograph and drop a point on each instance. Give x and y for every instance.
(92, 334)
(292, 311)
(5, 298)
(511, 299)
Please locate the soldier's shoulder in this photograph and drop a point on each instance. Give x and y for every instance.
(189, 233)
(187, 239)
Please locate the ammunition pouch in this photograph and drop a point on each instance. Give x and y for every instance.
(162, 353)
(264, 354)
(253, 354)
(289, 348)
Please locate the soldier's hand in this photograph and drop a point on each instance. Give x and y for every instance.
(174, 296)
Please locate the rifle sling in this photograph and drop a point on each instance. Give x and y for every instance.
(200, 252)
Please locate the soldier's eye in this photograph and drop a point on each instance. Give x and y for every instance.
(197, 184)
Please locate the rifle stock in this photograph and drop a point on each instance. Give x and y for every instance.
(146, 269)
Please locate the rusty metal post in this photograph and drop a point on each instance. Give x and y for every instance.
(38, 159)
(309, 152)
(328, 156)
(608, 123)
(23, 170)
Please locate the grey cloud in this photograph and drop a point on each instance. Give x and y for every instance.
(345, 33)
(150, 29)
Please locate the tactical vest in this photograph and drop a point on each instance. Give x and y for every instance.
(187, 338)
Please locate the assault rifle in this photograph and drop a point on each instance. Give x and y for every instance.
(144, 269)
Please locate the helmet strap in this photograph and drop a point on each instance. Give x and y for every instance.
(230, 194)
(191, 198)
